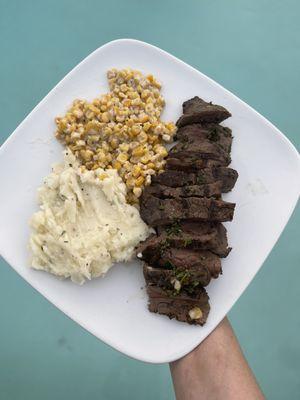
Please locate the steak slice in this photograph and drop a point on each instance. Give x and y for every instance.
(175, 178)
(197, 110)
(191, 164)
(217, 134)
(189, 235)
(188, 267)
(156, 212)
(198, 149)
(175, 279)
(191, 308)
(185, 259)
(164, 192)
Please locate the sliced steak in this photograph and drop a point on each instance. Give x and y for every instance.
(190, 235)
(184, 266)
(187, 266)
(175, 178)
(164, 192)
(191, 164)
(197, 110)
(216, 134)
(176, 279)
(198, 149)
(191, 308)
(185, 259)
(157, 212)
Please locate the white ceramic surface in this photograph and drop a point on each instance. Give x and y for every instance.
(115, 308)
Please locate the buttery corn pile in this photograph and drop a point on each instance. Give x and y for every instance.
(120, 130)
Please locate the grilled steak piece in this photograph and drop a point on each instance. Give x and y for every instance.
(216, 134)
(175, 279)
(197, 110)
(191, 164)
(197, 149)
(175, 178)
(192, 308)
(187, 266)
(189, 235)
(164, 192)
(157, 212)
(185, 259)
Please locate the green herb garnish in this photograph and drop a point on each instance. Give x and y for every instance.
(213, 135)
(174, 229)
(187, 242)
(183, 276)
(164, 245)
(200, 180)
(169, 265)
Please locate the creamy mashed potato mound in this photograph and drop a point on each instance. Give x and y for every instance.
(84, 224)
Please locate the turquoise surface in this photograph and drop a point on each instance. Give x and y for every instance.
(251, 48)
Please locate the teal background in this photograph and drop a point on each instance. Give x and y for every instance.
(250, 47)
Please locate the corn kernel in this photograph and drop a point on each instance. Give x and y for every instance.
(78, 113)
(124, 147)
(153, 139)
(127, 102)
(142, 137)
(117, 165)
(105, 117)
(94, 109)
(122, 157)
(86, 154)
(160, 150)
(138, 151)
(136, 129)
(114, 143)
(146, 126)
(145, 93)
(145, 159)
(105, 146)
(151, 165)
(136, 171)
(92, 126)
(143, 118)
(139, 181)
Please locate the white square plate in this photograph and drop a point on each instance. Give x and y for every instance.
(115, 308)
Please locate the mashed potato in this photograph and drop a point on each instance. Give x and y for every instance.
(84, 224)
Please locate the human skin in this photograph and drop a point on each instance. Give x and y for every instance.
(215, 370)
